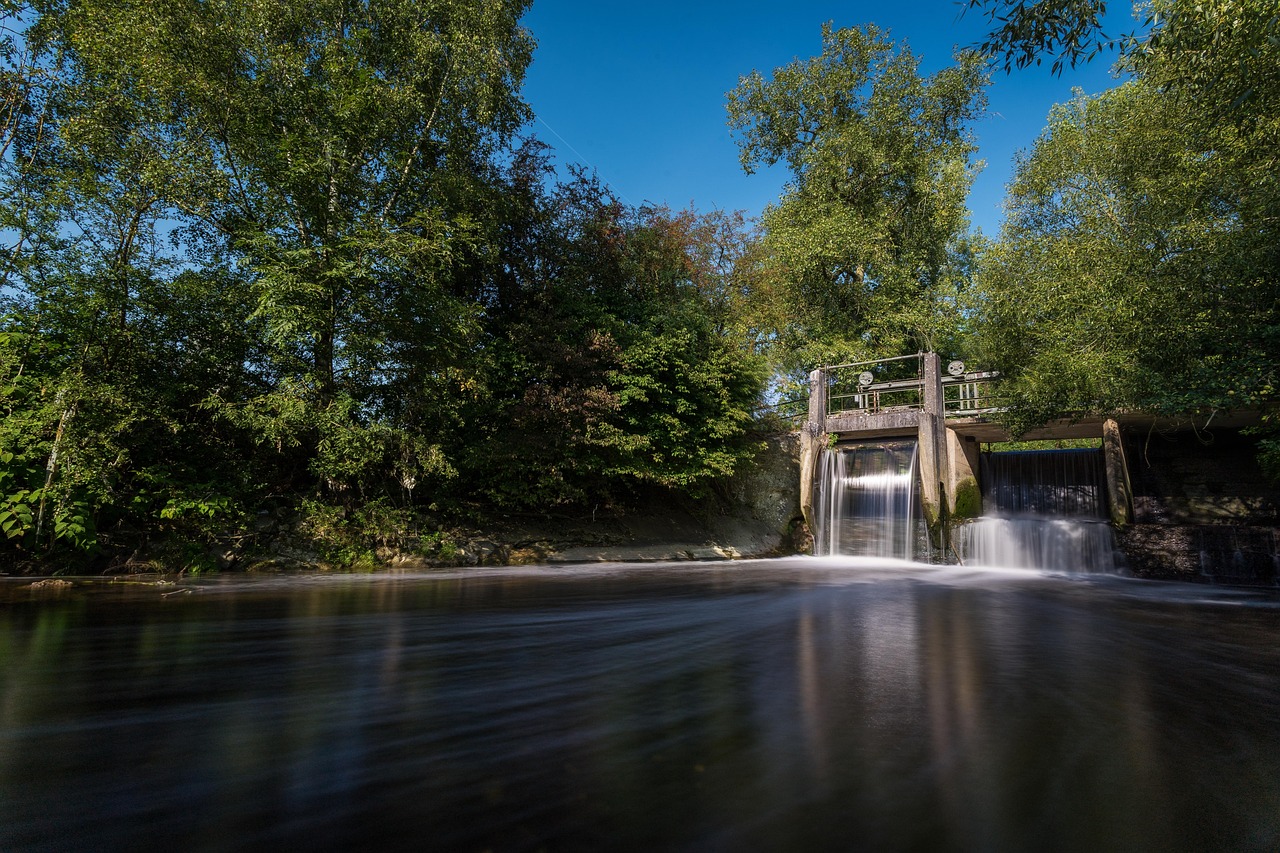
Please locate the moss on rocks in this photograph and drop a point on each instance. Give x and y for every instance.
(968, 499)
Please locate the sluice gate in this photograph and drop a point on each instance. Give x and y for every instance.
(950, 502)
(869, 501)
(1198, 506)
(1045, 509)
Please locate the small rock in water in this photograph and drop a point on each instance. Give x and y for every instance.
(51, 583)
(485, 549)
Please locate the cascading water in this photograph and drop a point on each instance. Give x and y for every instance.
(1046, 509)
(868, 502)
(1046, 483)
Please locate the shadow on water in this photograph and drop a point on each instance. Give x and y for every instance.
(801, 704)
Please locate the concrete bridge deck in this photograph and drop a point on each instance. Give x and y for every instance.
(986, 431)
(950, 414)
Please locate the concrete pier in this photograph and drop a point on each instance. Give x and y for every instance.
(948, 414)
(1192, 513)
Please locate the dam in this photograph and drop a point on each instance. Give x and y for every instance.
(909, 441)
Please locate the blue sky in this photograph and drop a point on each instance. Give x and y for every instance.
(637, 90)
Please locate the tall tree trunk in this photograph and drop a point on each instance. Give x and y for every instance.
(324, 363)
(51, 467)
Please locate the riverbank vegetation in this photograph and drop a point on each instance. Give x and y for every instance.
(298, 255)
(306, 262)
(1139, 264)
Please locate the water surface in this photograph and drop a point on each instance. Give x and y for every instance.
(796, 704)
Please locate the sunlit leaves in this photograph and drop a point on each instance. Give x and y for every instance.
(1137, 266)
(881, 164)
(1026, 33)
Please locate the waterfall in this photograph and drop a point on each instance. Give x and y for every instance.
(1045, 509)
(868, 502)
(1059, 544)
(1045, 483)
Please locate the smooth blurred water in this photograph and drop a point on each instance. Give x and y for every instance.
(1056, 544)
(802, 704)
(868, 502)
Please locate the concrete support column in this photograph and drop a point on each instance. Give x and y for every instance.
(1119, 491)
(818, 400)
(931, 466)
(932, 447)
(964, 496)
(932, 376)
(813, 438)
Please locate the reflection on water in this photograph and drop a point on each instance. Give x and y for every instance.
(773, 705)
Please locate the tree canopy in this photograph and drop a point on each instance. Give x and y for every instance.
(305, 258)
(1137, 268)
(1065, 31)
(866, 246)
(298, 256)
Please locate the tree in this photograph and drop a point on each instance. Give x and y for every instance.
(109, 335)
(1137, 265)
(1136, 269)
(1023, 34)
(286, 254)
(330, 147)
(864, 244)
(685, 388)
(610, 362)
(228, 221)
(1218, 59)
(1217, 48)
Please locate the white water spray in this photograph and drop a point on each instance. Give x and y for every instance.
(867, 501)
(1045, 510)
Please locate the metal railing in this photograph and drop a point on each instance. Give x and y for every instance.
(875, 387)
(793, 410)
(879, 398)
(971, 395)
(890, 385)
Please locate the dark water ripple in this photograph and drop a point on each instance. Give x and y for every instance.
(772, 705)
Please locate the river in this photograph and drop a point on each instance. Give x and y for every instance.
(797, 704)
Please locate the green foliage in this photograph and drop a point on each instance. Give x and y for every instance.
(1043, 444)
(73, 524)
(350, 537)
(1216, 58)
(864, 255)
(329, 148)
(1024, 34)
(349, 454)
(273, 254)
(607, 327)
(24, 509)
(211, 507)
(1137, 269)
(684, 407)
(17, 505)
(1269, 457)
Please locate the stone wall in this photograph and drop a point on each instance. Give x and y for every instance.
(1203, 510)
(755, 513)
(764, 501)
